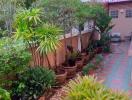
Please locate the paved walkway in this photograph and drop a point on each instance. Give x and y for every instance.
(118, 68)
(117, 71)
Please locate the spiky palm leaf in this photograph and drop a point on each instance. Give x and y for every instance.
(48, 36)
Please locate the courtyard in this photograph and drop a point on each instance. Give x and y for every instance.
(65, 50)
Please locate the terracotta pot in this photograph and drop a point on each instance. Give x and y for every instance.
(86, 59)
(71, 71)
(79, 65)
(83, 54)
(61, 77)
(42, 98)
(91, 54)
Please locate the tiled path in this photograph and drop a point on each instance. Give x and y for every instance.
(117, 71)
(118, 68)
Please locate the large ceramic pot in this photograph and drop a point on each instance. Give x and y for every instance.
(86, 59)
(71, 71)
(91, 55)
(79, 64)
(61, 77)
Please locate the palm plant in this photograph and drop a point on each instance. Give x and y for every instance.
(36, 34)
(25, 23)
(48, 39)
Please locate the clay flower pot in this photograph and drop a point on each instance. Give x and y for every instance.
(83, 54)
(91, 54)
(86, 59)
(71, 71)
(61, 77)
(79, 65)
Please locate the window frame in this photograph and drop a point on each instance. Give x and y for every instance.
(114, 13)
(129, 13)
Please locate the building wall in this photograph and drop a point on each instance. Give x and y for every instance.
(122, 24)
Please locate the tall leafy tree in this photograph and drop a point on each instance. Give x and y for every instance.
(61, 13)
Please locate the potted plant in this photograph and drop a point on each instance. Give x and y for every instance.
(80, 58)
(90, 51)
(70, 65)
(61, 75)
(85, 56)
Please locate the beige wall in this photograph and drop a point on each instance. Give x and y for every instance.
(123, 25)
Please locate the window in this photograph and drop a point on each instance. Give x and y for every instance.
(129, 13)
(114, 13)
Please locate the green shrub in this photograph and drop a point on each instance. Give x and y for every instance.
(33, 83)
(106, 49)
(87, 68)
(14, 58)
(87, 88)
(4, 95)
(99, 58)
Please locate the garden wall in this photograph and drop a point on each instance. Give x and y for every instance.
(60, 52)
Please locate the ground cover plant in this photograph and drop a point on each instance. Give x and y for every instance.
(87, 88)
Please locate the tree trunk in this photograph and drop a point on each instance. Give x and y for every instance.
(93, 30)
(41, 60)
(71, 38)
(48, 60)
(55, 54)
(80, 35)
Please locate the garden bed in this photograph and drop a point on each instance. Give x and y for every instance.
(59, 92)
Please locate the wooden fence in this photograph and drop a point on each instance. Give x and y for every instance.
(60, 52)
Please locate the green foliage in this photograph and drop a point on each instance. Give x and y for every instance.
(99, 58)
(14, 58)
(30, 28)
(25, 23)
(90, 48)
(87, 68)
(61, 12)
(33, 83)
(48, 38)
(106, 49)
(87, 88)
(103, 22)
(4, 95)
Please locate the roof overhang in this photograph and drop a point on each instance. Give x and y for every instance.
(120, 2)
